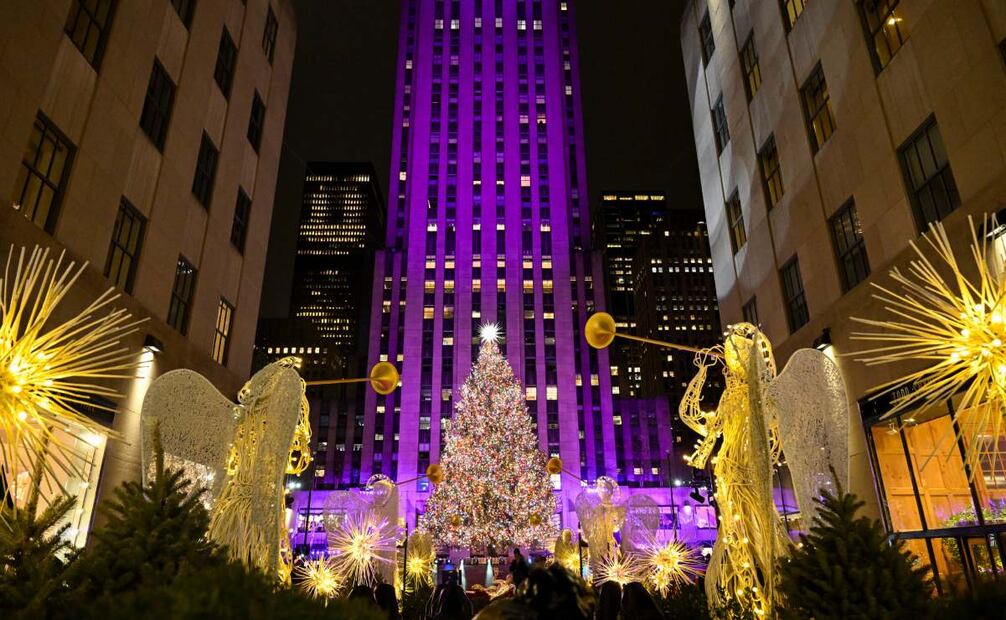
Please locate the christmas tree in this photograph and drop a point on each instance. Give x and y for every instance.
(845, 568)
(495, 491)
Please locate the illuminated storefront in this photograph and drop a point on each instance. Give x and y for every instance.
(956, 526)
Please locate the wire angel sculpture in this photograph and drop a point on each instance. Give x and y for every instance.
(804, 410)
(239, 452)
(602, 513)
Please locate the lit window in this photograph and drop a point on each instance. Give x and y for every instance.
(752, 71)
(791, 10)
(735, 220)
(885, 29)
(222, 331)
(817, 107)
(771, 174)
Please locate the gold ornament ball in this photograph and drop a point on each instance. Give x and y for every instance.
(554, 465)
(435, 473)
(455, 520)
(600, 330)
(535, 519)
(384, 378)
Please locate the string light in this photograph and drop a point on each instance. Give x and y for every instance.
(621, 568)
(672, 564)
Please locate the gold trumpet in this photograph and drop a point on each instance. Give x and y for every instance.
(600, 331)
(383, 378)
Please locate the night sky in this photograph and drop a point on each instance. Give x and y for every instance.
(638, 127)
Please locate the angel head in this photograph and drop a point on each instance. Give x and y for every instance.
(738, 344)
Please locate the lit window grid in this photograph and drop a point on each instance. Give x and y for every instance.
(885, 29)
(771, 173)
(817, 108)
(222, 331)
(850, 247)
(124, 248)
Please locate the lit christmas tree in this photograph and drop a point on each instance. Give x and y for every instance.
(495, 490)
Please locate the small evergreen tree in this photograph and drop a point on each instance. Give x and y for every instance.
(151, 532)
(846, 568)
(31, 543)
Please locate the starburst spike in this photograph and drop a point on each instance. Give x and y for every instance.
(958, 324)
(49, 371)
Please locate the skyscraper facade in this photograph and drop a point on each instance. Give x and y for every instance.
(341, 224)
(675, 297)
(625, 220)
(487, 222)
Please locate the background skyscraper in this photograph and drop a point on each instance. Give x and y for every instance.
(488, 221)
(341, 226)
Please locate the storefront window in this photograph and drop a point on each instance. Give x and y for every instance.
(77, 478)
(928, 498)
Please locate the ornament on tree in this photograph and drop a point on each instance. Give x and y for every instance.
(435, 473)
(495, 490)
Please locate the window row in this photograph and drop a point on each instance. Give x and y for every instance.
(89, 21)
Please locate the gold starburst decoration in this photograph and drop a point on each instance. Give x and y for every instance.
(360, 544)
(319, 578)
(50, 369)
(422, 558)
(621, 568)
(955, 324)
(672, 564)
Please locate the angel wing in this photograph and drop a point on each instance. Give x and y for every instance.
(197, 425)
(642, 518)
(812, 407)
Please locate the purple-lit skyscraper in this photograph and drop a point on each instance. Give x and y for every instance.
(488, 221)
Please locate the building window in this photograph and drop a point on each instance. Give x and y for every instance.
(850, 249)
(791, 11)
(222, 331)
(752, 72)
(817, 107)
(239, 228)
(735, 219)
(206, 171)
(124, 249)
(750, 311)
(87, 26)
(44, 172)
(706, 38)
(720, 129)
(792, 291)
(226, 57)
(255, 121)
(885, 29)
(930, 182)
(771, 173)
(269, 35)
(185, 9)
(181, 295)
(157, 105)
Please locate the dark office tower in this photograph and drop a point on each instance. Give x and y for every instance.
(488, 222)
(341, 225)
(676, 301)
(626, 219)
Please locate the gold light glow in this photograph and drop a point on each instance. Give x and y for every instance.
(48, 372)
(360, 543)
(620, 568)
(957, 327)
(671, 564)
(319, 578)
